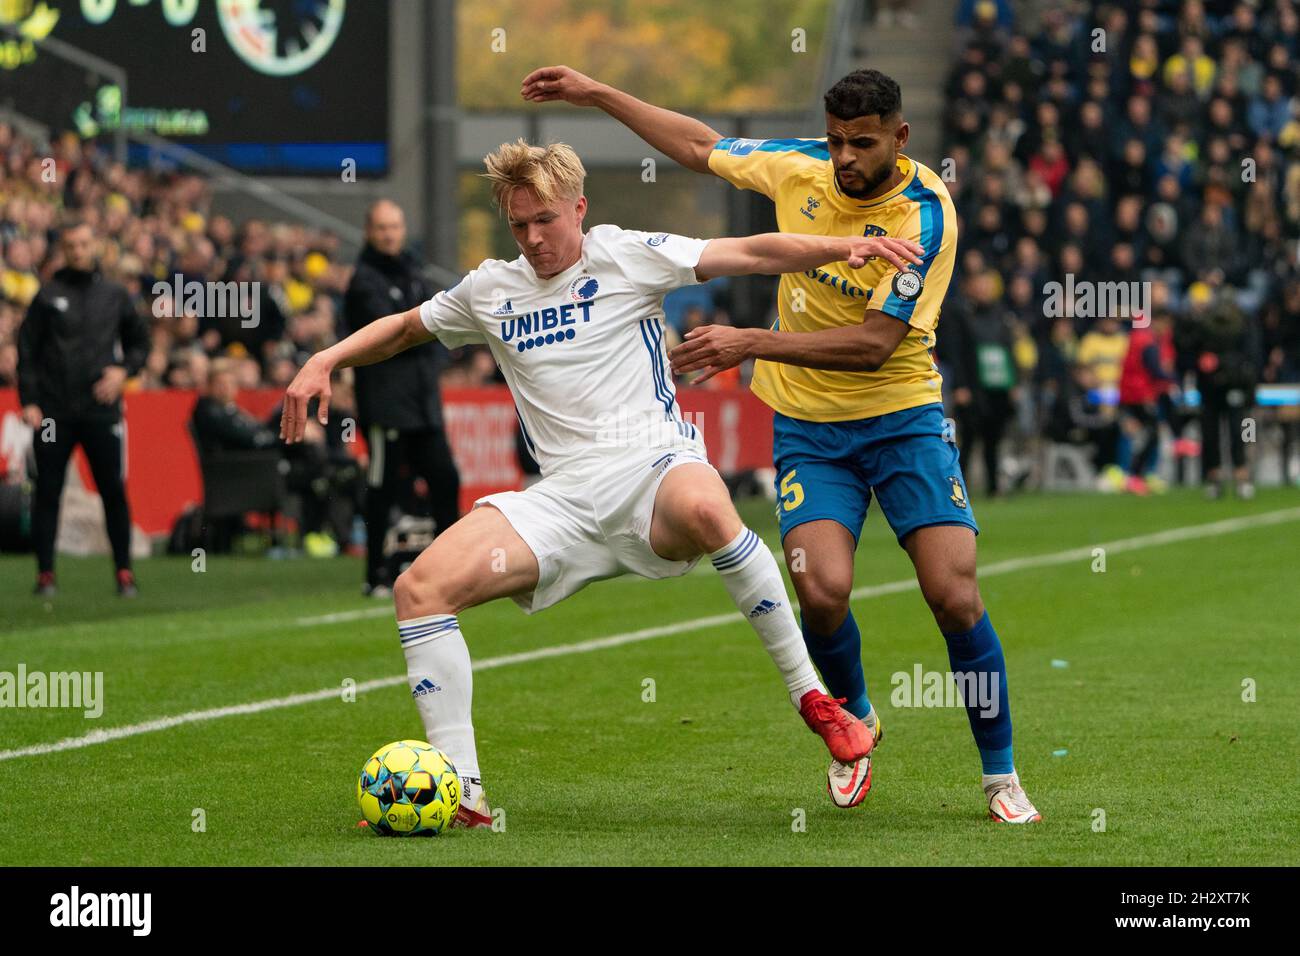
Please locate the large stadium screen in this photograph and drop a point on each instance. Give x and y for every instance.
(266, 86)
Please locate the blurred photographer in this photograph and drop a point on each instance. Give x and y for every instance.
(219, 423)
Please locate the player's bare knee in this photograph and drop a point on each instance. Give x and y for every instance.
(417, 593)
(409, 597)
(713, 523)
(956, 605)
(824, 602)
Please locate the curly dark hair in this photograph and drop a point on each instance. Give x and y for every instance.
(864, 93)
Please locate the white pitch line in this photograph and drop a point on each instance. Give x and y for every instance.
(386, 610)
(1191, 532)
(339, 617)
(1155, 539)
(328, 693)
(193, 717)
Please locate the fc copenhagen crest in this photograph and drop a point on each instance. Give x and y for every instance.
(583, 288)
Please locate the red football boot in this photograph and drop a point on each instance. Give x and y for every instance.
(846, 737)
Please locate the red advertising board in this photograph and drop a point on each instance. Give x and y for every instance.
(163, 476)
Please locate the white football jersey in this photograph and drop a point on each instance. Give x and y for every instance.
(583, 352)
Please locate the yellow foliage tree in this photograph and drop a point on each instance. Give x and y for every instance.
(737, 57)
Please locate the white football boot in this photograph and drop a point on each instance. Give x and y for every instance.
(849, 783)
(1008, 802)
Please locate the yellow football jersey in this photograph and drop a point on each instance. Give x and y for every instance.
(797, 175)
(1104, 354)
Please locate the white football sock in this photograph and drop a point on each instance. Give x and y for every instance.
(987, 780)
(753, 580)
(442, 683)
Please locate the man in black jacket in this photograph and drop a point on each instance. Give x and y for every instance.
(1222, 343)
(81, 340)
(220, 424)
(399, 407)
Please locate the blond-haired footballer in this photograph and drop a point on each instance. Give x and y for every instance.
(576, 325)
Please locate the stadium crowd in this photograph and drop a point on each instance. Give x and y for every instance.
(1153, 142)
(153, 226)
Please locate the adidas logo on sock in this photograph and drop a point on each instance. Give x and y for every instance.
(425, 686)
(470, 788)
(764, 607)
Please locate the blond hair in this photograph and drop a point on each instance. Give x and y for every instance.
(552, 172)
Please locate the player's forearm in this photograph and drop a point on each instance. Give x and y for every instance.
(682, 138)
(380, 340)
(774, 253)
(844, 349)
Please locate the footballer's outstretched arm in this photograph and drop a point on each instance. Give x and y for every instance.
(772, 253)
(681, 138)
(850, 348)
(381, 339)
(864, 347)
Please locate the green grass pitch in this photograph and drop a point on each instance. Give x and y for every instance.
(1145, 722)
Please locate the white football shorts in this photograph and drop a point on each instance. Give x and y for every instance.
(592, 526)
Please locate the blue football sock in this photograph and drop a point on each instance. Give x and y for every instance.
(839, 658)
(978, 654)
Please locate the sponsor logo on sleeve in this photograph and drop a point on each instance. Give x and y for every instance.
(908, 285)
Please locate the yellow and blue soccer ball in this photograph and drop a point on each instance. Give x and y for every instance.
(408, 788)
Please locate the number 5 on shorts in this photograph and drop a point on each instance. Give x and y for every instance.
(791, 492)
